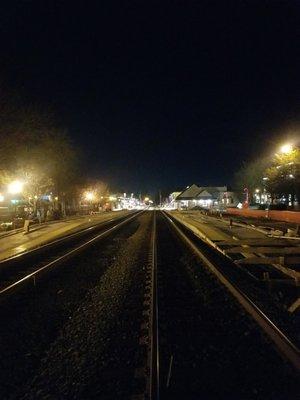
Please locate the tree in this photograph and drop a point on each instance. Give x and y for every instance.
(33, 149)
(282, 178)
(250, 175)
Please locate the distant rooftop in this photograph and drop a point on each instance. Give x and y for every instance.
(197, 192)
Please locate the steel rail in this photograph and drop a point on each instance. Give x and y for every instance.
(67, 255)
(154, 338)
(283, 344)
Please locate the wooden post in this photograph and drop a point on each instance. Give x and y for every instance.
(281, 260)
(26, 226)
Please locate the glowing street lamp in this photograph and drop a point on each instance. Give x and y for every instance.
(286, 148)
(89, 196)
(1, 197)
(15, 187)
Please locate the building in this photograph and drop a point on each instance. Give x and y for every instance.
(206, 197)
(172, 204)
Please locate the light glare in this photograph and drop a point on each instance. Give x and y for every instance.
(89, 196)
(15, 187)
(286, 148)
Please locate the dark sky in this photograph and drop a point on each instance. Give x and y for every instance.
(159, 94)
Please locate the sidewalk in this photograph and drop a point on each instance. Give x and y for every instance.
(36, 225)
(40, 234)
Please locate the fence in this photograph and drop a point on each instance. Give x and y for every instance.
(287, 216)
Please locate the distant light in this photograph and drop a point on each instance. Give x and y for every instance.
(56, 198)
(146, 198)
(257, 190)
(112, 198)
(286, 148)
(291, 176)
(89, 196)
(265, 178)
(1, 197)
(15, 187)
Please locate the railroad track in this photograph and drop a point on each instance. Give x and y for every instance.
(164, 322)
(161, 371)
(284, 345)
(272, 262)
(25, 268)
(64, 307)
(151, 311)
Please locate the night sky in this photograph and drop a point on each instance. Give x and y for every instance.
(159, 94)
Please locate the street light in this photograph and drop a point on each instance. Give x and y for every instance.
(15, 187)
(286, 148)
(1, 197)
(89, 196)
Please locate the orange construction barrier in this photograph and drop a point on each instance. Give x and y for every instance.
(286, 216)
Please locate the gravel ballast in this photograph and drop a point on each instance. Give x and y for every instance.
(217, 351)
(94, 354)
(79, 335)
(49, 334)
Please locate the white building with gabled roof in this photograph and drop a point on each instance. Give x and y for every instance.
(207, 197)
